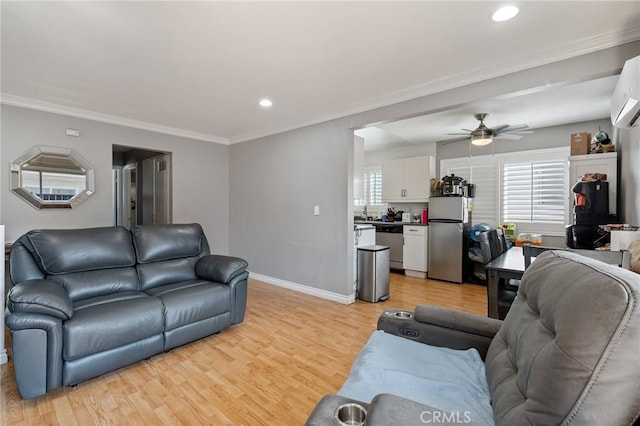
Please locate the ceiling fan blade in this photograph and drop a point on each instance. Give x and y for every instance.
(508, 136)
(459, 134)
(467, 130)
(515, 128)
(519, 132)
(499, 128)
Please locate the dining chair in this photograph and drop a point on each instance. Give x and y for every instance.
(493, 244)
(621, 258)
(485, 248)
(504, 246)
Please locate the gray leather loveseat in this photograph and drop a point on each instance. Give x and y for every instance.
(88, 301)
(568, 352)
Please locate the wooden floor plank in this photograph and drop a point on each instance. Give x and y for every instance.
(291, 350)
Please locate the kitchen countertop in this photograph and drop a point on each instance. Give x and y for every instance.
(379, 222)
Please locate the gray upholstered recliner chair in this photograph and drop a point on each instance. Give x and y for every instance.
(568, 352)
(88, 301)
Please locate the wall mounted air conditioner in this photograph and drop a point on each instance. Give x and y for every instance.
(625, 103)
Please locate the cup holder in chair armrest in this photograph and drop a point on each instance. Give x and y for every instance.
(326, 411)
(351, 414)
(399, 314)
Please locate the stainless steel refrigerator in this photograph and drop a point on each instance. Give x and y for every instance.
(448, 223)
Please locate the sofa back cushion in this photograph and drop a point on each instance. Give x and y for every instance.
(85, 262)
(568, 348)
(59, 251)
(101, 282)
(167, 254)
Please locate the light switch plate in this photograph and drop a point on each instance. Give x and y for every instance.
(316, 210)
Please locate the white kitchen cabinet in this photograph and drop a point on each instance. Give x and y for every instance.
(596, 163)
(407, 180)
(414, 250)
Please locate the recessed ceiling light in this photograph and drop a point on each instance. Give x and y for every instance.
(505, 13)
(265, 103)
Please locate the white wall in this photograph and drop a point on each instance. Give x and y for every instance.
(200, 173)
(275, 183)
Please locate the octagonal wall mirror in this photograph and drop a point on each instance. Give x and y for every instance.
(52, 178)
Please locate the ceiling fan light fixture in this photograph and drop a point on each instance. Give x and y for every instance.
(481, 139)
(505, 13)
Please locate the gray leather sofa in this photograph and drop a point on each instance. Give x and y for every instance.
(88, 301)
(568, 352)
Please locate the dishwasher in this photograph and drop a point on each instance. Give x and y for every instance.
(390, 234)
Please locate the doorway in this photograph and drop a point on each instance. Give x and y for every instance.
(142, 186)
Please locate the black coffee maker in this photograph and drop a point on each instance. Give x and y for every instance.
(591, 209)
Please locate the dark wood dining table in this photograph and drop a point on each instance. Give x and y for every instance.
(509, 265)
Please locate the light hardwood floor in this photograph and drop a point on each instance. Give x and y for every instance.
(271, 369)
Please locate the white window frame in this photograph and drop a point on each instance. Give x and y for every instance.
(366, 201)
(498, 161)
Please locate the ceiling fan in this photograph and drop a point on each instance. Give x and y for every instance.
(484, 135)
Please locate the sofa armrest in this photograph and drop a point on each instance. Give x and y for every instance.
(219, 268)
(441, 327)
(457, 320)
(44, 297)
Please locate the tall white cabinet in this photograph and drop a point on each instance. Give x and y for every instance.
(597, 163)
(407, 180)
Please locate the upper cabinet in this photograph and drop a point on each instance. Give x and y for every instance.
(407, 180)
(606, 163)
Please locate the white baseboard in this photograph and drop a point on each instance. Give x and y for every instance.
(323, 294)
(3, 356)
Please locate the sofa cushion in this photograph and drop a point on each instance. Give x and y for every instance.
(88, 284)
(154, 243)
(448, 379)
(568, 348)
(110, 322)
(192, 301)
(157, 274)
(75, 250)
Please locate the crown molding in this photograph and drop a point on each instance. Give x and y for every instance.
(19, 101)
(557, 53)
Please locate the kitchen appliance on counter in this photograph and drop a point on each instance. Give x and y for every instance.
(452, 185)
(390, 234)
(448, 222)
(590, 210)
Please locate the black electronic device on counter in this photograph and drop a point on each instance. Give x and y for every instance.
(590, 210)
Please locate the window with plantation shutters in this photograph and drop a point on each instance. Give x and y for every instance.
(483, 174)
(372, 186)
(527, 188)
(533, 192)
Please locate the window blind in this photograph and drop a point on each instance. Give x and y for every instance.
(372, 187)
(534, 192)
(528, 188)
(483, 175)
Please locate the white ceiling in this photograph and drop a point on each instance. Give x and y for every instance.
(199, 68)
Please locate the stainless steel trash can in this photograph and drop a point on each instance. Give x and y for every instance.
(373, 273)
